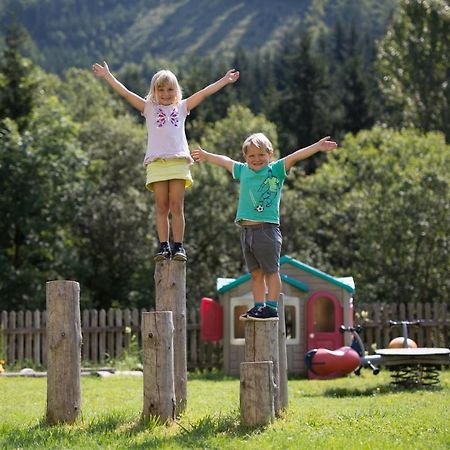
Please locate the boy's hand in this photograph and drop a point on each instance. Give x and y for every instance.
(326, 145)
(232, 76)
(198, 154)
(99, 70)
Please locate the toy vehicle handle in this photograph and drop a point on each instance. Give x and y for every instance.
(344, 329)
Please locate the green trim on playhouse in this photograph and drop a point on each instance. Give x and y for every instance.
(292, 281)
(293, 262)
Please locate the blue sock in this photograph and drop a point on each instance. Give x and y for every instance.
(273, 304)
(258, 304)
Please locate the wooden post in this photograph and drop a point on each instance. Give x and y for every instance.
(159, 389)
(256, 393)
(63, 351)
(282, 354)
(170, 286)
(261, 344)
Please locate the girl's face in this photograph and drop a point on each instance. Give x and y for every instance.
(166, 94)
(256, 158)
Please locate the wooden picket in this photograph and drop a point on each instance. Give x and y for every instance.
(108, 333)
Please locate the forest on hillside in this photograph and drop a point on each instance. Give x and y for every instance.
(72, 200)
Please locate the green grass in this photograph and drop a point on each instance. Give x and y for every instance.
(355, 412)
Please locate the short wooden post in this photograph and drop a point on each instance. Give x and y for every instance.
(170, 286)
(261, 344)
(284, 399)
(256, 393)
(159, 389)
(63, 351)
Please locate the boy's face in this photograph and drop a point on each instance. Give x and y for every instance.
(166, 94)
(257, 158)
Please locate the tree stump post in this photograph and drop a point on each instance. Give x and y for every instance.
(284, 398)
(170, 286)
(159, 388)
(256, 393)
(261, 344)
(63, 351)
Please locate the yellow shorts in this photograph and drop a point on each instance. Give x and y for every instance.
(168, 169)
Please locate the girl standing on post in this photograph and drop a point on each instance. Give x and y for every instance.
(167, 159)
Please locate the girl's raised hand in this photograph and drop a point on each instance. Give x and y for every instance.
(99, 70)
(232, 76)
(326, 145)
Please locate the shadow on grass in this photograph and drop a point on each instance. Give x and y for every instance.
(377, 390)
(121, 430)
(210, 375)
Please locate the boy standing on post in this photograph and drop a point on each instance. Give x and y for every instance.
(258, 213)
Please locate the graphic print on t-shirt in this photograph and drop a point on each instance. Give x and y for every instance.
(161, 118)
(268, 192)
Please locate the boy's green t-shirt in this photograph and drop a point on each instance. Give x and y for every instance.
(260, 191)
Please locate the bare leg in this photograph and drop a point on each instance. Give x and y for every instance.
(258, 285)
(161, 190)
(176, 206)
(273, 281)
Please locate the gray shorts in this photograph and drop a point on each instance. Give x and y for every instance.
(261, 246)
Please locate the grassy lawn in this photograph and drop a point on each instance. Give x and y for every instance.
(355, 412)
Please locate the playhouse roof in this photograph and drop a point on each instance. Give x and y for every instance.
(347, 283)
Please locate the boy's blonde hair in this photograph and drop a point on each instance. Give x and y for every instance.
(259, 140)
(164, 78)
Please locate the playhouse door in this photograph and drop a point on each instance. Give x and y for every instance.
(324, 317)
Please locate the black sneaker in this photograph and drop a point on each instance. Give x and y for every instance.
(178, 253)
(250, 311)
(263, 313)
(163, 252)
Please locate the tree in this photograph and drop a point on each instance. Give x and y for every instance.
(414, 67)
(17, 85)
(378, 210)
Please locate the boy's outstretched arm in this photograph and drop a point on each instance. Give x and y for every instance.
(195, 99)
(201, 155)
(133, 99)
(324, 145)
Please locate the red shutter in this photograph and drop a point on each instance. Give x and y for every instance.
(211, 320)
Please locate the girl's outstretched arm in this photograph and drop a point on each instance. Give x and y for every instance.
(201, 155)
(324, 145)
(133, 99)
(195, 99)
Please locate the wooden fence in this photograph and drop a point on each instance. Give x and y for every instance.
(108, 334)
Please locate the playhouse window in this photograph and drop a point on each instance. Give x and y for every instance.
(241, 305)
(324, 315)
(291, 323)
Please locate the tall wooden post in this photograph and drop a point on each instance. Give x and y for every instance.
(256, 393)
(170, 286)
(261, 344)
(63, 351)
(282, 354)
(159, 389)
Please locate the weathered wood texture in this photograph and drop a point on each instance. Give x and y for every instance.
(256, 393)
(64, 352)
(282, 353)
(159, 388)
(261, 344)
(170, 295)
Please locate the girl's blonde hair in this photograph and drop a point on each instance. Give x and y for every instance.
(164, 78)
(259, 140)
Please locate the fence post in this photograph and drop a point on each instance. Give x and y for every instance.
(159, 389)
(63, 351)
(261, 344)
(170, 295)
(256, 393)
